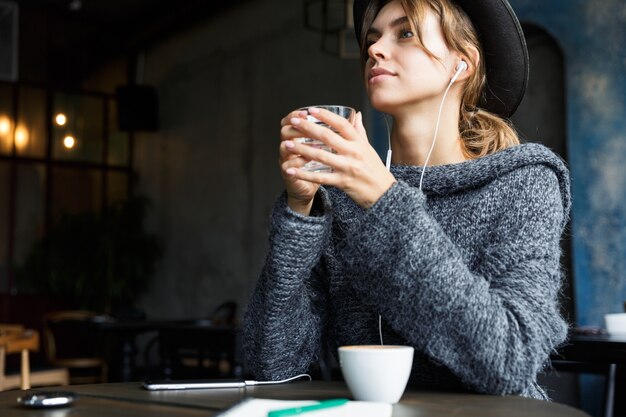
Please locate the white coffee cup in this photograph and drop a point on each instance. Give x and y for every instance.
(375, 372)
(615, 323)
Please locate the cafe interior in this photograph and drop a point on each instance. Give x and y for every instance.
(138, 169)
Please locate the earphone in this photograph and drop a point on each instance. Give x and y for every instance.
(462, 66)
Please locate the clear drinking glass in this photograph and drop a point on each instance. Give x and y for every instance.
(344, 111)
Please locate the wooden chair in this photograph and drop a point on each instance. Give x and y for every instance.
(15, 339)
(71, 341)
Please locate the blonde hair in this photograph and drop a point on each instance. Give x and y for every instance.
(482, 132)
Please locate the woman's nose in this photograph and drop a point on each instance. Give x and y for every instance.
(377, 50)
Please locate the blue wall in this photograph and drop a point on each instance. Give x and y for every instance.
(592, 35)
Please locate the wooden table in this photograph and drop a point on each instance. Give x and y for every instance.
(129, 399)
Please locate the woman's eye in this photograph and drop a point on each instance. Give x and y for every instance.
(406, 33)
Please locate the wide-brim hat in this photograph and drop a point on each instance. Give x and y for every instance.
(504, 51)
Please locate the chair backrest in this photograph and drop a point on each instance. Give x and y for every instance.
(607, 370)
(66, 335)
(224, 314)
(70, 339)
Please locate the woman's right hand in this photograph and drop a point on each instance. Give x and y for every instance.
(300, 193)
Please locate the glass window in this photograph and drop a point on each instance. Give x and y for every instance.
(69, 178)
(29, 208)
(118, 140)
(117, 187)
(4, 224)
(77, 126)
(6, 118)
(75, 190)
(30, 132)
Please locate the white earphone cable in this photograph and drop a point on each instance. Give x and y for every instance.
(430, 151)
(388, 165)
(432, 145)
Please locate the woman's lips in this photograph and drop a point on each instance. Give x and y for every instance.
(379, 74)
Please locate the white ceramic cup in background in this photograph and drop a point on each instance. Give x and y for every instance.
(375, 372)
(343, 111)
(615, 323)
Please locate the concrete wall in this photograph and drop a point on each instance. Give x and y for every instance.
(212, 170)
(592, 35)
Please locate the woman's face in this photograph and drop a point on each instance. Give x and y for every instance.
(399, 72)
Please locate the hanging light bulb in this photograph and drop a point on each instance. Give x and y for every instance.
(69, 142)
(60, 119)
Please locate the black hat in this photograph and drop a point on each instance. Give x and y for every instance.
(504, 49)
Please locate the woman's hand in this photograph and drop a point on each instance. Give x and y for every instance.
(300, 193)
(357, 168)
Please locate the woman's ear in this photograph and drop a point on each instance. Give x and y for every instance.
(472, 61)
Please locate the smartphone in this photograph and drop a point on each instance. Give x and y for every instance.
(193, 384)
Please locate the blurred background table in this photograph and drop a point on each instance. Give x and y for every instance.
(181, 349)
(602, 354)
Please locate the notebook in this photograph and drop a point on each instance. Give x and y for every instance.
(256, 407)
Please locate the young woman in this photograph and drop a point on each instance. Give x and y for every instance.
(455, 249)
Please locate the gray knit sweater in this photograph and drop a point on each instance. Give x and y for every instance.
(466, 271)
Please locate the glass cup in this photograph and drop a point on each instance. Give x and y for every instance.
(344, 111)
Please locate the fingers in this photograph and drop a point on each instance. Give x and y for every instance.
(358, 125)
(342, 125)
(341, 137)
(289, 132)
(293, 163)
(296, 113)
(286, 152)
(313, 130)
(307, 152)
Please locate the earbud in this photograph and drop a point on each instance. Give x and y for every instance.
(462, 66)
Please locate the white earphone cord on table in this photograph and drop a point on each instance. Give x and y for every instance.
(282, 381)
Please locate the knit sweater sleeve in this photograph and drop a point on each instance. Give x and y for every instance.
(284, 318)
(493, 324)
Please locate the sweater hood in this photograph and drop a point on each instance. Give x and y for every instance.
(448, 179)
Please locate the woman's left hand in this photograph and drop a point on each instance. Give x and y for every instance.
(357, 168)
